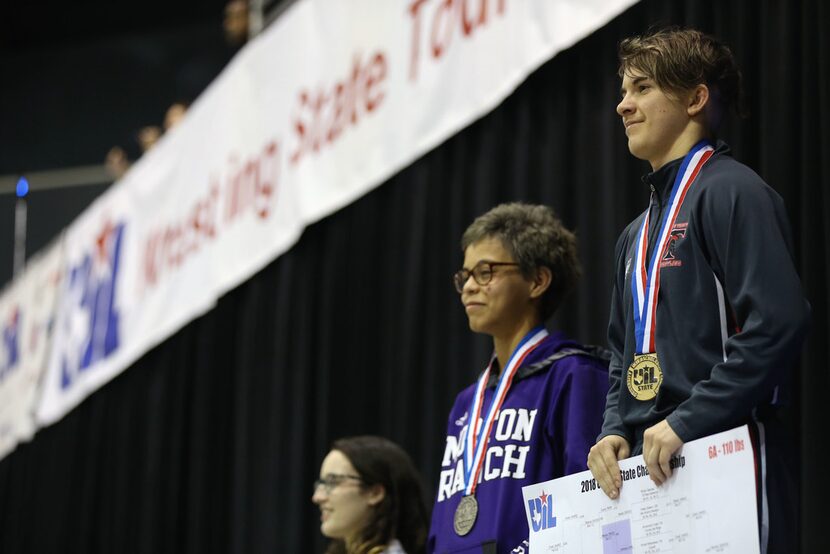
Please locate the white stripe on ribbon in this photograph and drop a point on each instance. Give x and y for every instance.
(475, 411)
(653, 279)
(481, 438)
(653, 285)
(639, 268)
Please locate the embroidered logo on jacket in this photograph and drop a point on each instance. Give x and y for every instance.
(669, 255)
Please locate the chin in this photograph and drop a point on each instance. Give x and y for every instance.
(634, 149)
(328, 532)
(638, 150)
(477, 326)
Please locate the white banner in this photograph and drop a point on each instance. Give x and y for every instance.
(27, 309)
(329, 102)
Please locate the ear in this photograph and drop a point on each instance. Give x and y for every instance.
(697, 100)
(541, 282)
(375, 494)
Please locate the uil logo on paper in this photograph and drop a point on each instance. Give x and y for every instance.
(90, 319)
(541, 512)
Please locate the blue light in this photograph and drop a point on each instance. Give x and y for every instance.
(22, 187)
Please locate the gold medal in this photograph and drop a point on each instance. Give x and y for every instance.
(465, 515)
(644, 376)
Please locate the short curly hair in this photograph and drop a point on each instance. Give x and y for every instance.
(680, 59)
(535, 238)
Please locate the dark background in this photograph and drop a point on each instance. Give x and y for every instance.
(77, 78)
(211, 441)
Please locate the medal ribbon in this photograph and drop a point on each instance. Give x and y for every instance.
(478, 435)
(645, 282)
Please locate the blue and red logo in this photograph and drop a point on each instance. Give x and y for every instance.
(541, 512)
(90, 319)
(669, 255)
(10, 344)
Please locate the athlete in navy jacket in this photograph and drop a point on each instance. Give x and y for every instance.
(711, 347)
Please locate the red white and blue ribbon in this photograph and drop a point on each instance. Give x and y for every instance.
(478, 432)
(645, 282)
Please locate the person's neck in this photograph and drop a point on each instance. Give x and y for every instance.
(352, 544)
(506, 343)
(694, 133)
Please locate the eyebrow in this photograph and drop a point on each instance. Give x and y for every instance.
(635, 81)
(483, 261)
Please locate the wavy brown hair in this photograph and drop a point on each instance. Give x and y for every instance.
(402, 514)
(680, 59)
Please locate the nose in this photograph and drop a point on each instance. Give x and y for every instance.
(319, 495)
(470, 285)
(626, 106)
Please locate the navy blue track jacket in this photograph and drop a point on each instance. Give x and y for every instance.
(731, 315)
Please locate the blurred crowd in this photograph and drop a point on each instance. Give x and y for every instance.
(236, 32)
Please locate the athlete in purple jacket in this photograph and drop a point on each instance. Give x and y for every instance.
(538, 405)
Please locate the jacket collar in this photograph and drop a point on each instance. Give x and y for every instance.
(554, 347)
(663, 179)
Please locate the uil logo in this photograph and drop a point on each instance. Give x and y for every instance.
(644, 377)
(541, 512)
(90, 319)
(10, 344)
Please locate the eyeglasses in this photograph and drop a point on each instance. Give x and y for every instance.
(332, 480)
(482, 274)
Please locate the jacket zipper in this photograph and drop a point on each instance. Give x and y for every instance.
(654, 223)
